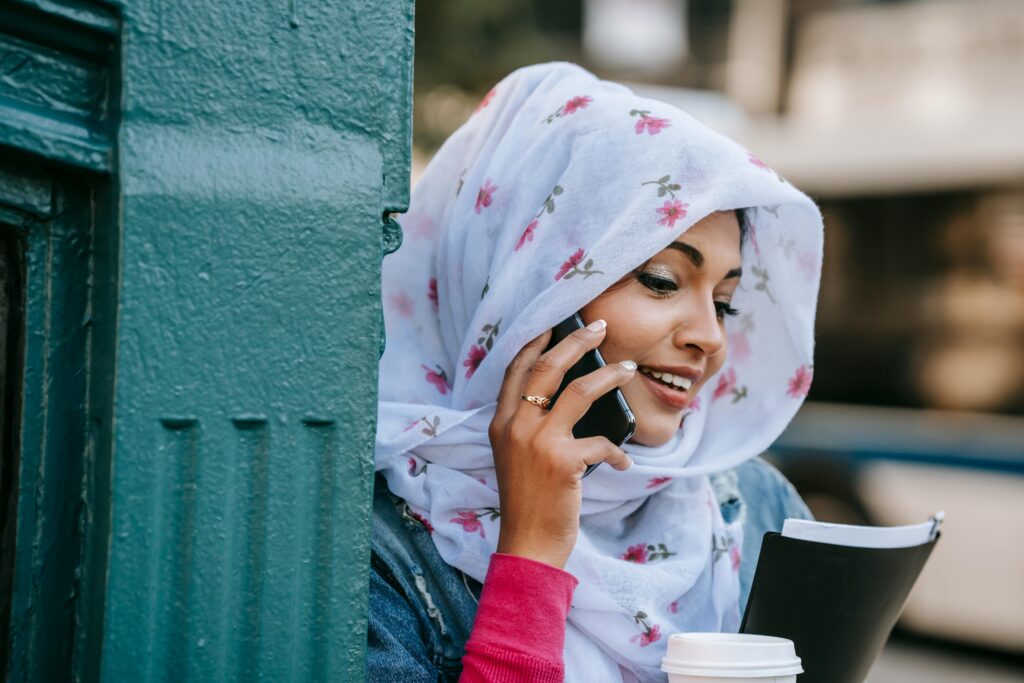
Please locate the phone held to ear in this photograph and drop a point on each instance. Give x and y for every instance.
(609, 416)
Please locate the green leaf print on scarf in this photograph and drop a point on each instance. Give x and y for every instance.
(664, 186)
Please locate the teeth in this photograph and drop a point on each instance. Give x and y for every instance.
(668, 378)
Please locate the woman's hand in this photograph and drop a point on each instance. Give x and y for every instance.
(539, 464)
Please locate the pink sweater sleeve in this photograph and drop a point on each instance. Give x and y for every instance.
(519, 630)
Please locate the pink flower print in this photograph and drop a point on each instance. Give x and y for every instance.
(412, 424)
(651, 635)
(571, 263)
(808, 264)
(764, 167)
(422, 520)
(485, 101)
(642, 553)
(757, 162)
(571, 267)
(739, 346)
(657, 481)
(673, 607)
(726, 383)
(485, 195)
(527, 234)
(695, 404)
(578, 102)
(473, 360)
(672, 211)
(651, 632)
(432, 291)
(652, 124)
(414, 469)
(438, 378)
(800, 383)
(402, 304)
(734, 555)
(469, 521)
(636, 553)
(570, 107)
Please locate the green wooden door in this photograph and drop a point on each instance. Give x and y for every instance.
(192, 215)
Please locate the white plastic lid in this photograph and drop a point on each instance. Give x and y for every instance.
(734, 655)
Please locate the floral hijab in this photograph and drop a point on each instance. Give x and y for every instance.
(557, 186)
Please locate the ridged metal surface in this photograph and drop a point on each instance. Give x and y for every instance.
(202, 330)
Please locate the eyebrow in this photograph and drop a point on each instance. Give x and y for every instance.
(695, 256)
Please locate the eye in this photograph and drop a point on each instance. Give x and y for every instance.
(662, 287)
(724, 308)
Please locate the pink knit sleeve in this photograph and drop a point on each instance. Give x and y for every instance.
(519, 630)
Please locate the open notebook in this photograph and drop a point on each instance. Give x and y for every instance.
(836, 591)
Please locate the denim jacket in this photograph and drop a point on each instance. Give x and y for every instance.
(422, 609)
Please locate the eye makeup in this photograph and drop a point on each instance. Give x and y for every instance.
(662, 284)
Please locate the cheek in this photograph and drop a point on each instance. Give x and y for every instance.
(634, 325)
(717, 361)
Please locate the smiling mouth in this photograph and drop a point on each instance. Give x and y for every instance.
(668, 379)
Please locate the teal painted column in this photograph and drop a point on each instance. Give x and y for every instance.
(259, 146)
(193, 202)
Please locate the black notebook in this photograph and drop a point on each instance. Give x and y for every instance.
(836, 602)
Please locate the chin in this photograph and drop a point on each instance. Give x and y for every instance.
(653, 436)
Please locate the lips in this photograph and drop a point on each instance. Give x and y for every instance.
(669, 379)
(674, 395)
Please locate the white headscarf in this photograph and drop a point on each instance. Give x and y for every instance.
(558, 186)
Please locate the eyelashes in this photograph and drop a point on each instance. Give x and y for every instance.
(723, 308)
(662, 288)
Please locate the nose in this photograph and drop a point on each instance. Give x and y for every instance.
(700, 329)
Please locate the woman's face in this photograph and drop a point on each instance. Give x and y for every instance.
(669, 317)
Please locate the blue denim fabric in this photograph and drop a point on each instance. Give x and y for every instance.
(422, 609)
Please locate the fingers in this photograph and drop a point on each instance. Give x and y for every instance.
(551, 366)
(597, 449)
(575, 401)
(512, 387)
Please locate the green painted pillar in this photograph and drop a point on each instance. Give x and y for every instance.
(208, 482)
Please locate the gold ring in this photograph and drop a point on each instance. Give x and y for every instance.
(539, 401)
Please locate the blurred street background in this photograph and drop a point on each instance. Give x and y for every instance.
(903, 119)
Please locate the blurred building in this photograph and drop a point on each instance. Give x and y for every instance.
(902, 119)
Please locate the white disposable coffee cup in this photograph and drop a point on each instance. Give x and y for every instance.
(730, 658)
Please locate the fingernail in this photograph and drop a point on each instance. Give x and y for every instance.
(628, 364)
(597, 326)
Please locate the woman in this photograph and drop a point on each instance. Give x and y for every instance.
(564, 193)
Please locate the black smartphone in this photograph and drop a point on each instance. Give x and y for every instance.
(609, 416)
